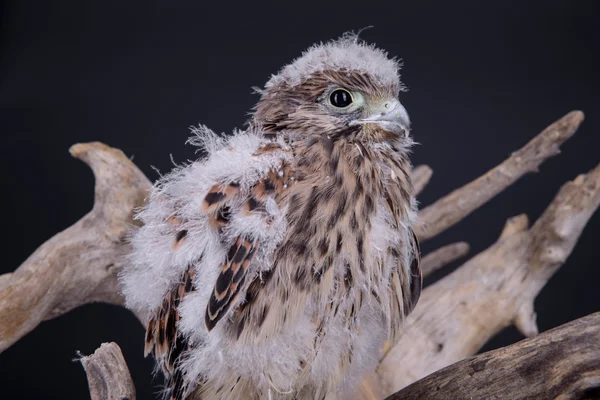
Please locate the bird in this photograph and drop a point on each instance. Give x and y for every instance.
(279, 264)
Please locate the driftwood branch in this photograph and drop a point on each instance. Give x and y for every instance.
(460, 313)
(443, 256)
(563, 363)
(420, 177)
(107, 374)
(80, 264)
(453, 319)
(452, 208)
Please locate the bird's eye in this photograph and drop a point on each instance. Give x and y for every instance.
(340, 98)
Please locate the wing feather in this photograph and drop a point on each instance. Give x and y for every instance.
(222, 203)
(416, 274)
(230, 281)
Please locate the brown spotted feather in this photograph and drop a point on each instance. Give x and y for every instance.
(163, 339)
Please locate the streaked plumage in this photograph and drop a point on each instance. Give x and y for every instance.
(277, 266)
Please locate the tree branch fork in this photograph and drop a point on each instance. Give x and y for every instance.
(454, 318)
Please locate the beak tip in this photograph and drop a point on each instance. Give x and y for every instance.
(394, 120)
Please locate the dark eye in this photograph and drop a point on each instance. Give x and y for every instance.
(340, 98)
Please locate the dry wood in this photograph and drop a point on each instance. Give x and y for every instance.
(443, 256)
(563, 363)
(420, 177)
(80, 264)
(454, 317)
(452, 208)
(496, 288)
(107, 374)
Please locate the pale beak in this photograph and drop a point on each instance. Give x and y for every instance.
(390, 115)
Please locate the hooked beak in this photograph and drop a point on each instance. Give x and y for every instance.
(391, 116)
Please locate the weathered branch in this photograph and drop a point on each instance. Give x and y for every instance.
(563, 363)
(443, 256)
(420, 177)
(80, 264)
(496, 288)
(453, 319)
(108, 375)
(452, 208)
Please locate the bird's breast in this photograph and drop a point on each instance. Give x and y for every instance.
(333, 209)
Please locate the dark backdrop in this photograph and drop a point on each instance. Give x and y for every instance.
(484, 78)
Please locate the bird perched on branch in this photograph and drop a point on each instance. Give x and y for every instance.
(277, 266)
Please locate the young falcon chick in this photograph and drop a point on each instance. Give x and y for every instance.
(277, 266)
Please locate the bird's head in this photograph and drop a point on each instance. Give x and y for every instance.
(344, 88)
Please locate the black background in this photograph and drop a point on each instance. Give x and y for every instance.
(484, 78)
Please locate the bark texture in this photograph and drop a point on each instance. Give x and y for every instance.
(107, 374)
(80, 264)
(562, 364)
